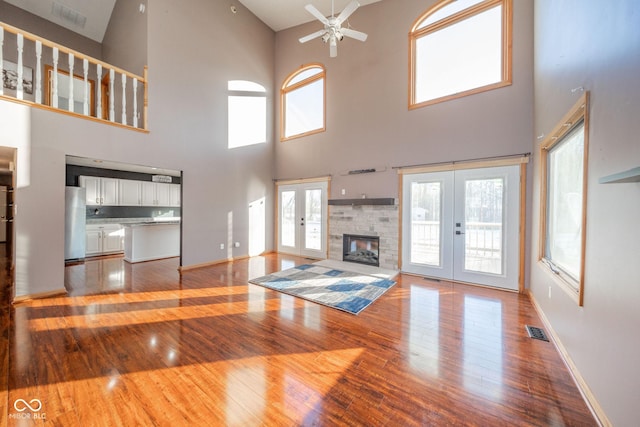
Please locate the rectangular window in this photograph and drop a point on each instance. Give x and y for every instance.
(565, 166)
(563, 199)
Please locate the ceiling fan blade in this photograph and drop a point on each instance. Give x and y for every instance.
(347, 11)
(311, 36)
(358, 35)
(333, 50)
(315, 12)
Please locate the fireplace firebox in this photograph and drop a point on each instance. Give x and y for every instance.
(361, 249)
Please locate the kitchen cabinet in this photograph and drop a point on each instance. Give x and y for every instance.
(100, 191)
(160, 194)
(145, 242)
(130, 192)
(104, 239)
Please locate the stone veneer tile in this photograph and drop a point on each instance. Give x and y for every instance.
(381, 221)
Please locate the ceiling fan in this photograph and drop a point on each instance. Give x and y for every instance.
(333, 31)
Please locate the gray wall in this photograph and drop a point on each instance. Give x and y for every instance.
(192, 53)
(125, 41)
(41, 27)
(368, 122)
(596, 46)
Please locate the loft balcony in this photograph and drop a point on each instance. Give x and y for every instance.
(47, 75)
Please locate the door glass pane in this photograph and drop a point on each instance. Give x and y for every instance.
(288, 219)
(483, 225)
(313, 219)
(425, 223)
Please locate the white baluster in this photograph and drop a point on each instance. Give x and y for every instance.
(19, 88)
(71, 101)
(99, 101)
(112, 110)
(85, 104)
(54, 101)
(1, 49)
(38, 72)
(124, 99)
(135, 102)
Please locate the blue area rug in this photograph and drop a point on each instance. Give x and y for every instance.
(345, 290)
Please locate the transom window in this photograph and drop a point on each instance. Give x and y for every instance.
(303, 102)
(563, 199)
(459, 48)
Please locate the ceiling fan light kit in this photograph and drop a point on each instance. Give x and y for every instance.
(333, 31)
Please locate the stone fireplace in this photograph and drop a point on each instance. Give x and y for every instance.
(370, 218)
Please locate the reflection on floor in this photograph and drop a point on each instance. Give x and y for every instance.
(141, 345)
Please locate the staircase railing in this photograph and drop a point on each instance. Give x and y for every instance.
(47, 75)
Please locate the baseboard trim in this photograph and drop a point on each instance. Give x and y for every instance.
(217, 262)
(41, 295)
(585, 391)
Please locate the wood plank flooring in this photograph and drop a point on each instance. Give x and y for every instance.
(141, 345)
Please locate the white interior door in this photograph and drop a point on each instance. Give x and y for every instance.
(302, 219)
(463, 225)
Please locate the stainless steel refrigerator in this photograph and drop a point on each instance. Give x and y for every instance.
(75, 223)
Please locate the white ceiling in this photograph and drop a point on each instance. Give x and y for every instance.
(96, 12)
(277, 14)
(282, 14)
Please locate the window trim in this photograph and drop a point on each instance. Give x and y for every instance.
(286, 88)
(507, 36)
(579, 112)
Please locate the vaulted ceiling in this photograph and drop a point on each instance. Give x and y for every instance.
(90, 18)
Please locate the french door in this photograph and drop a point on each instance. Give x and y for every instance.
(302, 219)
(463, 225)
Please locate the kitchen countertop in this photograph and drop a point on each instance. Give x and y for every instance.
(138, 221)
(150, 223)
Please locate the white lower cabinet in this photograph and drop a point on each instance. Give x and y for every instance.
(104, 239)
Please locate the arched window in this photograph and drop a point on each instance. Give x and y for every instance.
(459, 48)
(303, 102)
(247, 109)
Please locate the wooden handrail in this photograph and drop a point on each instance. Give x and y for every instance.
(85, 60)
(29, 36)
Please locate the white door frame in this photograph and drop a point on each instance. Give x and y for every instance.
(301, 224)
(515, 240)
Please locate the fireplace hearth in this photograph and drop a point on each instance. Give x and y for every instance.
(361, 249)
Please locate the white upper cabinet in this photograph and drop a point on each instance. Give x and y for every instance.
(100, 191)
(174, 199)
(160, 194)
(148, 193)
(163, 194)
(130, 192)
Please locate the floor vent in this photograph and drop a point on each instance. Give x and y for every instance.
(536, 333)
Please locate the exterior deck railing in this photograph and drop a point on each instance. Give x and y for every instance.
(482, 239)
(47, 75)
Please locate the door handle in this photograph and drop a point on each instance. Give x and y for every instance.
(459, 232)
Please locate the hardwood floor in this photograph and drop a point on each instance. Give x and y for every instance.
(140, 345)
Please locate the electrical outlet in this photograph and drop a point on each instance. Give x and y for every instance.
(344, 191)
(236, 245)
(221, 245)
(549, 292)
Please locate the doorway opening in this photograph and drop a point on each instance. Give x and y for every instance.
(7, 233)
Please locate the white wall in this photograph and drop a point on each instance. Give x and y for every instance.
(596, 46)
(193, 52)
